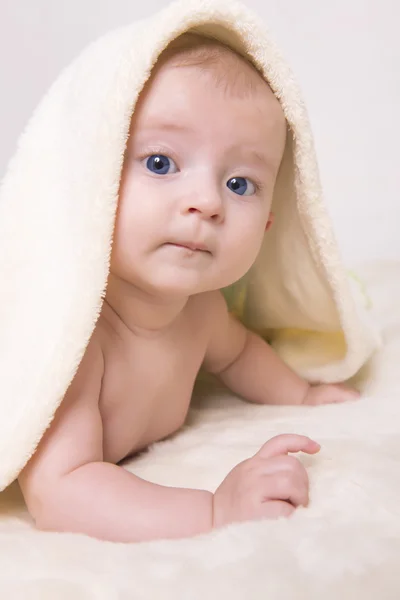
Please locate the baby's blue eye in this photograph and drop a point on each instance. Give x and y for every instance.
(160, 164)
(241, 186)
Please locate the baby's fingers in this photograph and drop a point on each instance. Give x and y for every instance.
(275, 509)
(282, 465)
(284, 487)
(342, 393)
(331, 394)
(288, 442)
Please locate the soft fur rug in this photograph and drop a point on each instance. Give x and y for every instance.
(345, 545)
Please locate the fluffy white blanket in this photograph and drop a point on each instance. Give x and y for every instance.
(345, 545)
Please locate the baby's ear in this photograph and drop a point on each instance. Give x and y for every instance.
(270, 221)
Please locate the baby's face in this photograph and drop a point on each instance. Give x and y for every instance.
(199, 171)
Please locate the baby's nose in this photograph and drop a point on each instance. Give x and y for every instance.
(207, 205)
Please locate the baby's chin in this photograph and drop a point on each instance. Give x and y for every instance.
(174, 279)
(187, 284)
(179, 287)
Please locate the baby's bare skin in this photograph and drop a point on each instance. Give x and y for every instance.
(142, 400)
(116, 406)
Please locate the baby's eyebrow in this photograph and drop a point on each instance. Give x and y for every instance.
(259, 157)
(176, 126)
(253, 155)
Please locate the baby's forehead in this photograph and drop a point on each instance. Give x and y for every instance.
(174, 99)
(229, 79)
(168, 86)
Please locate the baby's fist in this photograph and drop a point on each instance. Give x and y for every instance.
(330, 394)
(268, 485)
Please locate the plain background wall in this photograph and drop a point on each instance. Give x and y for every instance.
(345, 54)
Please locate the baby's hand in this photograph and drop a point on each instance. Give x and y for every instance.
(330, 394)
(270, 484)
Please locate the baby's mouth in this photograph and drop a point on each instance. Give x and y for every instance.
(194, 246)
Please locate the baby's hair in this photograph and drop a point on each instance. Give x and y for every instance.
(230, 71)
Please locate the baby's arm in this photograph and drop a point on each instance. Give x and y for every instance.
(68, 487)
(251, 368)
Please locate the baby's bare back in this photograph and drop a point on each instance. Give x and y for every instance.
(148, 380)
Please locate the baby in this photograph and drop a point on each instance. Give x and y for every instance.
(205, 147)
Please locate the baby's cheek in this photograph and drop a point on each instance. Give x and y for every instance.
(241, 257)
(248, 244)
(126, 248)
